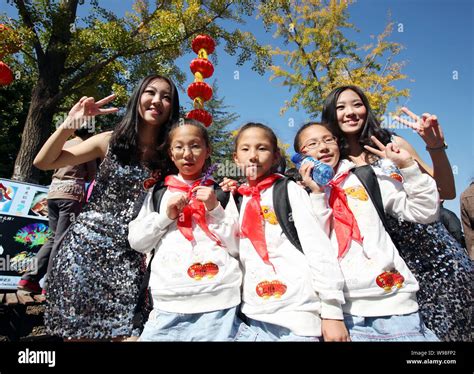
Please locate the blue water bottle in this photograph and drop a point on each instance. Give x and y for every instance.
(322, 173)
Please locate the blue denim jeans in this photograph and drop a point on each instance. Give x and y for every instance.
(396, 328)
(220, 325)
(268, 332)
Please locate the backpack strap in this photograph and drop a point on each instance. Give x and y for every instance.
(222, 196)
(369, 180)
(158, 192)
(282, 207)
(238, 200)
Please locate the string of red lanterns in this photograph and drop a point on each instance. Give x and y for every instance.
(199, 91)
(6, 47)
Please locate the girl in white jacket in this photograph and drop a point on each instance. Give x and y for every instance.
(195, 278)
(380, 290)
(288, 294)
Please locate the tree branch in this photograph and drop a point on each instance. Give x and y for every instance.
(305, 55)
(68, 86)
(26, 17)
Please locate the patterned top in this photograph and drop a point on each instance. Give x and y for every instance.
(94, 283)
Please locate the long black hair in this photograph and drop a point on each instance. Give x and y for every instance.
(372, 126)
(124, 141)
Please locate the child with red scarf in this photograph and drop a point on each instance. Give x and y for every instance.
(380, 291)
(288, 294)
(195, 278)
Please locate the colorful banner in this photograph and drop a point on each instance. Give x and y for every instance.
(23, 228)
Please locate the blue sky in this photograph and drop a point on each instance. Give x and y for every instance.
(438, 40)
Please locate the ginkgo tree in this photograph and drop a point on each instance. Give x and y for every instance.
(66, 56)
(318, 57)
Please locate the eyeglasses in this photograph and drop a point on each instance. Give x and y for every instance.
(195, 149)
(314, 143)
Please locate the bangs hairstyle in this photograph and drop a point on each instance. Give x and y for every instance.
(124, 140)
(271, 135)
(170, 167)
(371, 127)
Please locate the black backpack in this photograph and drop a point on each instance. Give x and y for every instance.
(369, 180)
(282, 206)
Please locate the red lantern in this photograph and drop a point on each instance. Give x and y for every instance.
(203, 66)
(8, 44)
(6, 75)
(200, 89)
(203, 42)
(200, 115)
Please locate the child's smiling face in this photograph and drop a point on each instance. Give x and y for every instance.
(318, 142)
(351, 112)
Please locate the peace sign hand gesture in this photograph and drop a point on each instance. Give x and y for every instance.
(392, 151)
(87, 108)
(427, 127)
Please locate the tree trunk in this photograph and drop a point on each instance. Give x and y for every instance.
(36, 131)
(44, 97)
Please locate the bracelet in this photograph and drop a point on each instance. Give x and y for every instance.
(443, 147)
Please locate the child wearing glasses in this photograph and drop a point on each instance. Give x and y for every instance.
(195, 278)
(380, 291)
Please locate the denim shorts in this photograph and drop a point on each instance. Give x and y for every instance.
(396, 328)
(220, 325)
(268, 332)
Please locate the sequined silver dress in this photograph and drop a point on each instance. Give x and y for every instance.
(445, 274)
(94, 283)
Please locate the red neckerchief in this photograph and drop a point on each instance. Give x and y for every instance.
(345, 224)
(253, 225)
(195, 209)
